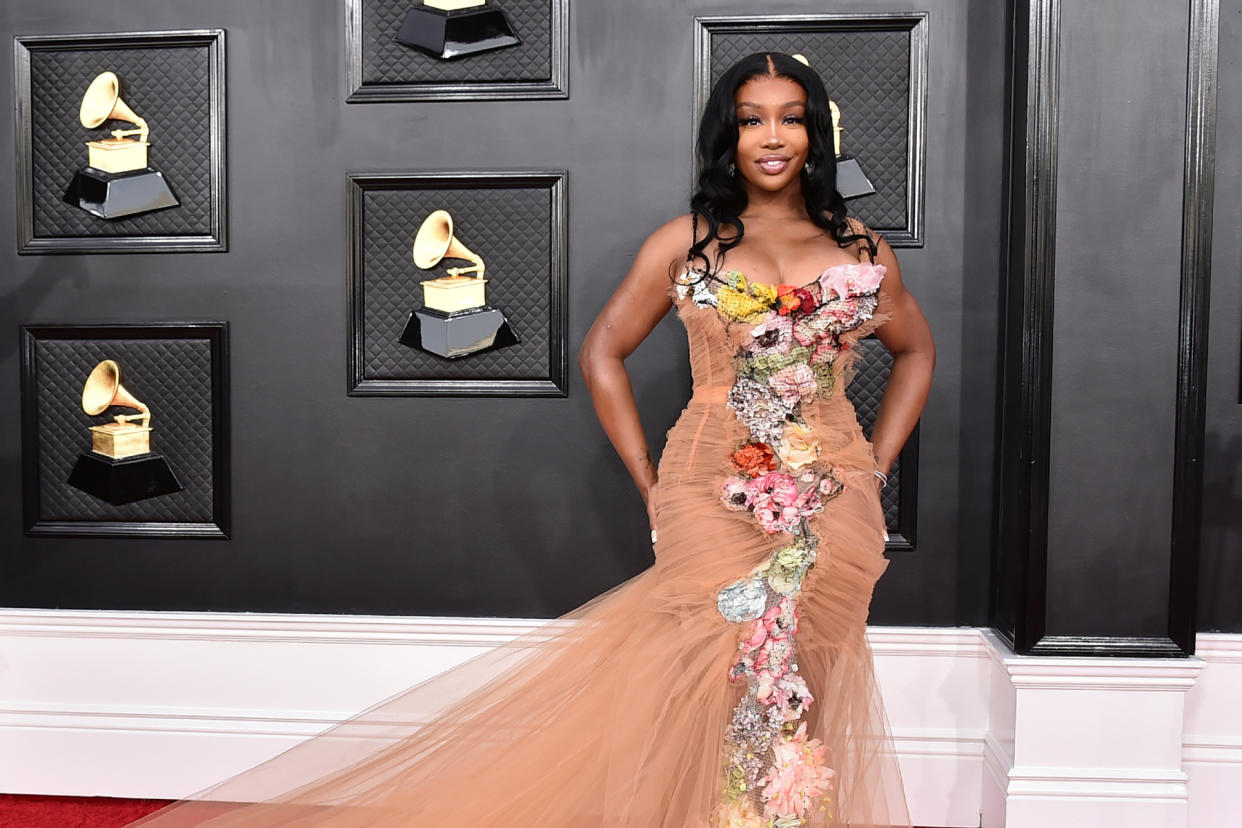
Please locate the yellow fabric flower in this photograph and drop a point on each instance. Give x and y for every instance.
(798, 446)
(764, 292)
(740, 814)
(742, 300)
(739, 306)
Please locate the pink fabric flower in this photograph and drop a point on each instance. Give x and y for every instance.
(778, 504)
(798, 776)
(790, 696)
(809, 502)
(826, 351)
(774, 657)
(794, 383)
(830, 485)
(774, 620)
(771, 336)
(756, 636)
(852, 279)
(773, 488)
(734, 495)
(841, 313)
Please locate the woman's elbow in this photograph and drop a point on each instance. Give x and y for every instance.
(591, 356)
(586, 358)
(922, 353)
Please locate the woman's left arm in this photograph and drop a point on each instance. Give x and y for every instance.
(909, 339)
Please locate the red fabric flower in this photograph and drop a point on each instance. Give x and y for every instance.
(754, 459)
(788, 300)
(806, 300)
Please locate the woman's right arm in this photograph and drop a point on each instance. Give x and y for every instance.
(639, 303)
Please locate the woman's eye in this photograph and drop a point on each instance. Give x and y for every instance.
(795, 119)
(748, 120)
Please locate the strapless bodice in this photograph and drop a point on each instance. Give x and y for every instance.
(774, 350)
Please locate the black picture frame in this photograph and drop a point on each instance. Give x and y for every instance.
(208, 232)
(438, 378)
(708, 31)
(464, 82)
(210, 338)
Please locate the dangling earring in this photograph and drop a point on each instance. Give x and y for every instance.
(809, 166)
(732, 169)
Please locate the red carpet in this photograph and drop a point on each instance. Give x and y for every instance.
(72, 811)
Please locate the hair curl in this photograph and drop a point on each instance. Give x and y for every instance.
(720, 198)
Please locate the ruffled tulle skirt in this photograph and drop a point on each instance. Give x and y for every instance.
(615, 714)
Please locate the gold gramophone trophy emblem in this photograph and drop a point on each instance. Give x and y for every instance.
(450, 29)
(852, 182)
(455, 319)
(117, 180)
(120, 467)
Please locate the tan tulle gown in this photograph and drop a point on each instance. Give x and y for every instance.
(648, 707)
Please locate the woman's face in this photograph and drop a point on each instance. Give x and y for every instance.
(772, 141)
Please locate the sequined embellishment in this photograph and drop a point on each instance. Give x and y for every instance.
(743, 600)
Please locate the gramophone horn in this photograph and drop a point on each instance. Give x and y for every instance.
(103, 389)
(435, 241)
(103, 101)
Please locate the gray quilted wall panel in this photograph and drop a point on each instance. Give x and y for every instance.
(865, 391)
(868, 74)
(169, 87)
(173, 377)
(508, 227)
(384, 61)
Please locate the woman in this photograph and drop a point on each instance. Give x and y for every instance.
(766, 481)
(730, 683)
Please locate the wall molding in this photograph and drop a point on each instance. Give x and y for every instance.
(265, 627)
(1025, 410)
(1199, 179)
(236, 688)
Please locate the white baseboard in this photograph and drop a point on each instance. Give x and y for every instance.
(99, 703)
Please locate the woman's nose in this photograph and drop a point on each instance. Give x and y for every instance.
(773, 137)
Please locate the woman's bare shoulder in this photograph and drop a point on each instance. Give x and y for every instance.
(676, 233)
(670, 242)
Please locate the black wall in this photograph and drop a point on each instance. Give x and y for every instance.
(478, 506)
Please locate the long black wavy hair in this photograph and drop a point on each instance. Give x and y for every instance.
(720, 198)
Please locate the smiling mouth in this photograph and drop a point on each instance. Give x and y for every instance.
(773, 164)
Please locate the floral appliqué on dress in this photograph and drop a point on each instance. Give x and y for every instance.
(777, 775)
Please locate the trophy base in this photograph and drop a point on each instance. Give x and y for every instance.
(458, 334)
(113, 195)
(452, 294)
(852, 182)
(449, 34)
(121, 440)
(123, 481)
(117, 155)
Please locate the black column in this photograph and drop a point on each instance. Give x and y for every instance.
(1104, 315)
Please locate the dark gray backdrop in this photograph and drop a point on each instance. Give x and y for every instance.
(365, 504)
